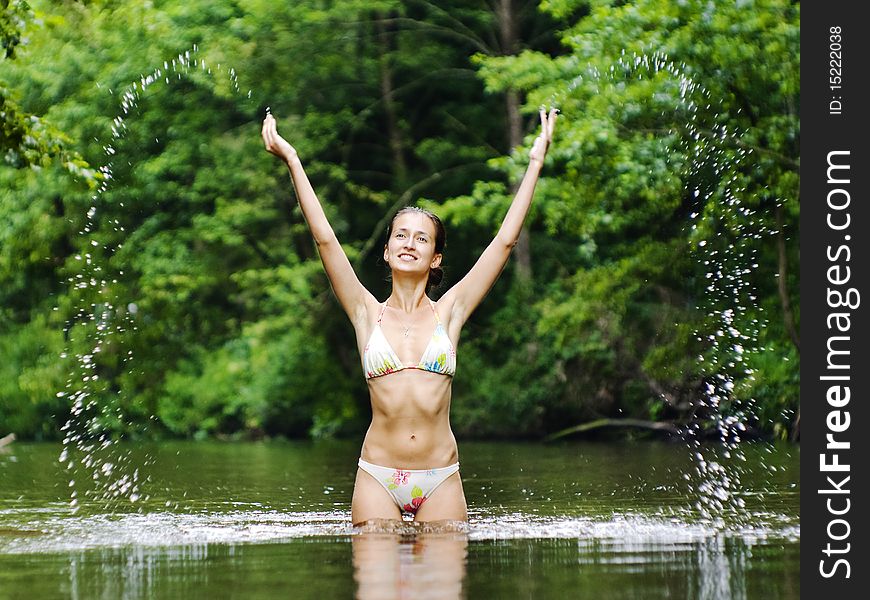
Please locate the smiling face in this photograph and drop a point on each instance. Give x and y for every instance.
(411, 245)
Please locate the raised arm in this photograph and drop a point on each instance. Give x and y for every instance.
(350, 292)
(468, 293)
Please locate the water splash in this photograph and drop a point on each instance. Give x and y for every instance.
(722, 229)
(57, 531)
(98, 470)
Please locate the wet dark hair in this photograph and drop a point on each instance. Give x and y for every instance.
(436, 275)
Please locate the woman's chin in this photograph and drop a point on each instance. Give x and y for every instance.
(409, 269)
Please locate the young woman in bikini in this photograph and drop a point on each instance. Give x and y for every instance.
(407, 344)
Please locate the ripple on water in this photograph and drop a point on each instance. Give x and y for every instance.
(59, 530)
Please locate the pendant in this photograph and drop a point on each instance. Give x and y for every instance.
(407, 331)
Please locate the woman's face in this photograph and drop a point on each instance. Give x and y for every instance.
(411, 246)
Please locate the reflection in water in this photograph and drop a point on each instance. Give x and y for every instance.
(262, 556)
(721, 570)
(409, 565)
(134, 572)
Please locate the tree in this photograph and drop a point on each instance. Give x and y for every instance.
(194, 260)
(674, 138)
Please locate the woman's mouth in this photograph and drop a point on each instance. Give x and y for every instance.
(407, 257)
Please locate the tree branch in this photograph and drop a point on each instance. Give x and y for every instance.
(668, 428)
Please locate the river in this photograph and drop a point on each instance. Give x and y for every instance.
(269, 519)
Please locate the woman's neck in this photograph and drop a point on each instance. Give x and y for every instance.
(407, 296)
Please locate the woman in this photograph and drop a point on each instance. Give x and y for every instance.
(409, 459)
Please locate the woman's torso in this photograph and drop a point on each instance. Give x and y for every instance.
(410, 425)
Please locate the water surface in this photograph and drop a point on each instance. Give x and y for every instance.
(259, 520)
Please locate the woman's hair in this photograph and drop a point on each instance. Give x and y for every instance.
(436, 275)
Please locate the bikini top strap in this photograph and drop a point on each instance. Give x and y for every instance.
(435, 312)
(381, 314)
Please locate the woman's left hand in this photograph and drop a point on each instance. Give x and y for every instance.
(543, 141)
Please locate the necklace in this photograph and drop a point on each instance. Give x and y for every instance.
(406, 329)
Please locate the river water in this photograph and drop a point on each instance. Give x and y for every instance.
(271, 519)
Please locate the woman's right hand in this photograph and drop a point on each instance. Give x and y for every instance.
(275, 144)
(543, 141)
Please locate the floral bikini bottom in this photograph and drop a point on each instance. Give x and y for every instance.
(409, 487)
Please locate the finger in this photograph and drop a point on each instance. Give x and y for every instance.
(269, 134)
(273, 130)
(554, 112)
(265, 131)
(543, 120)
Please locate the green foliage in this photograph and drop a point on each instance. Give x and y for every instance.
(12, 19)
(29, 374)
(199, 262)
(25, 139)
(646, 92)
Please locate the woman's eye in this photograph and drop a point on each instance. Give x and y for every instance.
(422, 239)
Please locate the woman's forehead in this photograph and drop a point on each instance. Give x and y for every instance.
(414, 221)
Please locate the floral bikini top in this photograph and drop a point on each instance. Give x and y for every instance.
(379, 358)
